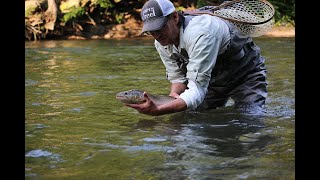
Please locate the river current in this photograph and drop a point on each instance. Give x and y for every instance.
(76, 129)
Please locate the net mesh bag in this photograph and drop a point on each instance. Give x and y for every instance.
(252, 17)
(254, 30)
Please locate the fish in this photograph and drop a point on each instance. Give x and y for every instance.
(135, 96)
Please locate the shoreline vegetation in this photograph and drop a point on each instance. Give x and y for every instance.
(87, 19)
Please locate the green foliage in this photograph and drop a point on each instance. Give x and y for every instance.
(201, 3)
(78, 12)
(119, 17)
(284, 11)
(180, 8)
(28, 12)
(102, 3)
(74, 13)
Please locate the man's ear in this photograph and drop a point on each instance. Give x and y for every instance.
(175, 16)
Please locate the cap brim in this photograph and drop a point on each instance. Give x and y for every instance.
(153, 25)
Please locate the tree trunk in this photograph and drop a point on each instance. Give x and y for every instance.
(50, 15)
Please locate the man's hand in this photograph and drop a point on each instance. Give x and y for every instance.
(174, 94)
(150, 108)
(147, 107)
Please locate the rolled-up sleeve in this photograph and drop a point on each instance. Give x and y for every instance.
(194, 95)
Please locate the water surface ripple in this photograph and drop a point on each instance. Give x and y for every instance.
(76, 129)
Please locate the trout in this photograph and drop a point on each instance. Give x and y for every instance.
(136, 96)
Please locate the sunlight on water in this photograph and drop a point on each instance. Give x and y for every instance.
(76, 129)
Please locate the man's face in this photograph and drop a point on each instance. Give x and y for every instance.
(169, 33)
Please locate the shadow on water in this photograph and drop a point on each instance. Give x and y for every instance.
(208, 143)
(223, 134)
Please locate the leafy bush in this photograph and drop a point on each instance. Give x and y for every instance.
(284, 11)
(73, 14)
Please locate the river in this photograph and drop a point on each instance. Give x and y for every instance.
(76, 129)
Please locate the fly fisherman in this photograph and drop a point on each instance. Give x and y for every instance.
(207, 60)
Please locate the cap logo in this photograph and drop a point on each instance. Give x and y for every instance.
(148, 13)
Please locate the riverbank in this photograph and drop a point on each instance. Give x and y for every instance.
(123, 33)
(132, 28)
(281, 31)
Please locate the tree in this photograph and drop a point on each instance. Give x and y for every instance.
(50, 15)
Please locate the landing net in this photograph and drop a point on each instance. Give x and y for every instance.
(252, 17)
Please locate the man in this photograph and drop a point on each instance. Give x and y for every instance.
(207, 60)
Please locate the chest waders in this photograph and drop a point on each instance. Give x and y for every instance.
(239, 73)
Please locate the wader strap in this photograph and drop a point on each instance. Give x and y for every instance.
(186, 21)
(237, 42)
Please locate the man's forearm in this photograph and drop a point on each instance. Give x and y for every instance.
(172, 107)
(178, 88)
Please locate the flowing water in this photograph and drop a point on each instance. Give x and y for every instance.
(76, 129)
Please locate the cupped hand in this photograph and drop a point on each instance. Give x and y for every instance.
(148, 107)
